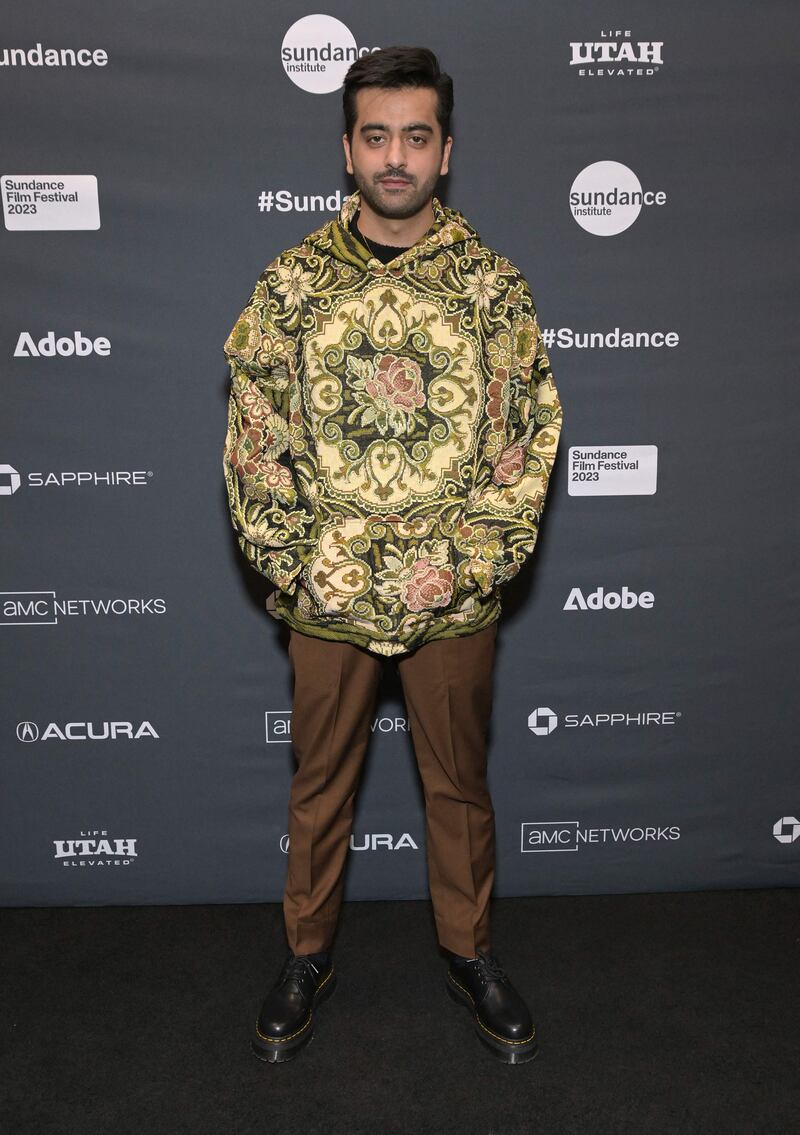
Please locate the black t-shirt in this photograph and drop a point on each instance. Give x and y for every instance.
(382, 252)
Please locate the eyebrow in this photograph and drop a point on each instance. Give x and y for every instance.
(415, 127)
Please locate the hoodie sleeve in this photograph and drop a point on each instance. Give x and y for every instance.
(498, 528)
(265, 459)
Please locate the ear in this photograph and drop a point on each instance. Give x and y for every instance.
(347, 155)
(446, 155)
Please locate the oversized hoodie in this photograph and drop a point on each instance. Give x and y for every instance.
(391, 433)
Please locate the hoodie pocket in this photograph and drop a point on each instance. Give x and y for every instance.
(385, 567)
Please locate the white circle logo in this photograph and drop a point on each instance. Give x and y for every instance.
(316, 53)
(607, 197)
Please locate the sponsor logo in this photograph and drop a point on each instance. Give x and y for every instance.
(787, 829)
(50, 201)
(567, 338)
(607, 197)
(10, 479)
(279, 725)
(370, 842)
(612, 471)
(616, 55)
(284, 201)
(543, 721)
(65, 345)
(601, 599)
(95, 849)
(53, 56)
(568, 835)
(317, 51)
(28, 731)
(42, 608)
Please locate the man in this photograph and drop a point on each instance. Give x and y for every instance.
(392, 428)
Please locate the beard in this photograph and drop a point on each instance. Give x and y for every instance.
(391, 204)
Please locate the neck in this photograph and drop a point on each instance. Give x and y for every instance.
(400, 232)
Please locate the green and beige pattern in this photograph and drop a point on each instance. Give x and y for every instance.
(391, 433)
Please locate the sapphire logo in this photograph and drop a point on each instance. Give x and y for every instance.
(542, 721)
(10, 480)
(787, 829)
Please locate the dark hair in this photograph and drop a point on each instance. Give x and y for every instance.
(393, 68)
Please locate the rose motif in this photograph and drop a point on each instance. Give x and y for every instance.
(388, 392)
(399, 382)
(428, 586)
(510, 466)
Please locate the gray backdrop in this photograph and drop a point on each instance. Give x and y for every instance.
(643, 735)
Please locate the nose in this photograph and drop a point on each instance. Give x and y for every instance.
(395, 154)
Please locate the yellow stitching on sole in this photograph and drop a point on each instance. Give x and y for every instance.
(504, 1039)
(303, 1027)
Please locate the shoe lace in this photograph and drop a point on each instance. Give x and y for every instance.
(490, 967)
(295, 968)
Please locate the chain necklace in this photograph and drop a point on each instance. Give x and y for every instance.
(369, 246)
(366, 241)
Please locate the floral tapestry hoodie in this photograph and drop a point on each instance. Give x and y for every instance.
(391, 434)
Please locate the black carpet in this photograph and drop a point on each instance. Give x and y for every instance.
(673, 1013)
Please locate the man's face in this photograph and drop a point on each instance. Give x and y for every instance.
(396, 156)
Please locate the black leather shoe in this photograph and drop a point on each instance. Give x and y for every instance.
(502, 1020)
(286, 1021)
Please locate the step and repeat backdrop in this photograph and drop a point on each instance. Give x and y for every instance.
(637, 167)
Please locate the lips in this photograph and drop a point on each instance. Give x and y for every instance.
(394, 182)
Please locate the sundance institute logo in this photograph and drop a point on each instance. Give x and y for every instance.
(317, 51)
(607, 197)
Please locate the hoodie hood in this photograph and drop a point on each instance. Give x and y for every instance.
(335, 238)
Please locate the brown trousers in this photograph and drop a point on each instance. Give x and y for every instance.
(447, 686)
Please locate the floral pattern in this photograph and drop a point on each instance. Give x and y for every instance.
(391, 434)
(388, 390)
